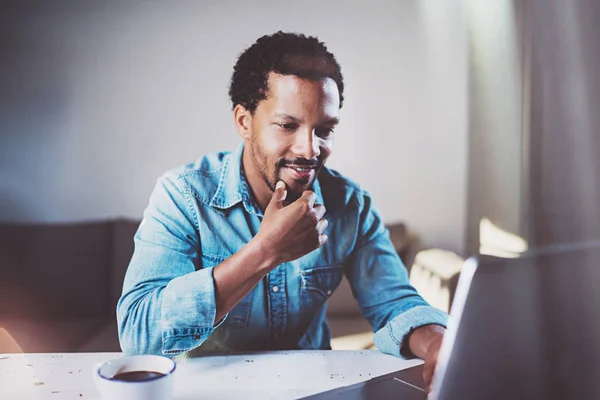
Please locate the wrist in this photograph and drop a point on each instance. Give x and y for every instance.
(263, 252)
(424, 338)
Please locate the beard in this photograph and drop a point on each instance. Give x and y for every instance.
(271, 179)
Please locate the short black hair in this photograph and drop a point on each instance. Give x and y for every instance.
(283, 53)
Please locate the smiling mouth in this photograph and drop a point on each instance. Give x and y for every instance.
(301, 169)
(301, 173)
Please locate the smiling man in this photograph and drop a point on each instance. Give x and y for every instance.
(241, 250)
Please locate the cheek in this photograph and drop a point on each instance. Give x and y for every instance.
(326, 149)
(274, 146)
(274, 150)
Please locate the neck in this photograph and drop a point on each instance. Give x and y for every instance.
(261, 193)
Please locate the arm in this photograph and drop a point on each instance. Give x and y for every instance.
(285, 234)
(381, 286)
(404, 324)
(169, 303)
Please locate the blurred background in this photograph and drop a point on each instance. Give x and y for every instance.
(472, 123)
(100, 98)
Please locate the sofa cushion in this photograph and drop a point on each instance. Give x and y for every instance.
(342, 303)
(435, 276)
(54, 270)
(122, 249)
(350, 333)
(105, 339)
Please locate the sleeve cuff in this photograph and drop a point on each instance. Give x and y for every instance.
(188, 311)
(391, 337)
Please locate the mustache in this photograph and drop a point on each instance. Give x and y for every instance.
(301, 162)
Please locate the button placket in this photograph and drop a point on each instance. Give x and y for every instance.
(277, 301)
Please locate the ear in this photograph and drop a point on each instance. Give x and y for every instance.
(243, 121)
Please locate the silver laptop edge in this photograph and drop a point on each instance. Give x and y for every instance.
(458, 305)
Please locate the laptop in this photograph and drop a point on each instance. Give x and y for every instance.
(406, 384)
(522, 328)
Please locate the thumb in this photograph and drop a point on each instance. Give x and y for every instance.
(278, 197)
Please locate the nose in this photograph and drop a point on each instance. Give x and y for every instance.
(307, 145)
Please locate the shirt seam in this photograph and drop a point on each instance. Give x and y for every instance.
(392, 336)
(183, 175)
(193, 212)
(185, 332)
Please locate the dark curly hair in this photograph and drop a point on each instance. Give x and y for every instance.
(283, 53)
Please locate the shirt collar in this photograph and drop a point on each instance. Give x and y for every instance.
(233, 187)
(230, 190)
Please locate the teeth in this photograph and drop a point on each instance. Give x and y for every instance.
(302, 169)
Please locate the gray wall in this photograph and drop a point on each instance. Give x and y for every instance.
(99, 98)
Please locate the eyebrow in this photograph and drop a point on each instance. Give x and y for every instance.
(287, 116)
(330, 121)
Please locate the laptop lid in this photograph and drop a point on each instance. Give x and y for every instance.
(525, 328)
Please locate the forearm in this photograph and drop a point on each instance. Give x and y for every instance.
(137, 333)
(393, 338)
(239, 274)
(166, 315)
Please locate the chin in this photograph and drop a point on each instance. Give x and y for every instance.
(299, 186)
(295, 184)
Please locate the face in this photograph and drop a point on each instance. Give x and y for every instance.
(290, 135)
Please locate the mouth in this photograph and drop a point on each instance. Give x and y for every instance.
(301, 172)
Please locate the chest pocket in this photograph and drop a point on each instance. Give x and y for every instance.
(239, 315)
(317, 284)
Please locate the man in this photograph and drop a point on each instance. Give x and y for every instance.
(240, 251)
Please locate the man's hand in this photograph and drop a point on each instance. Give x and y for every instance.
(430, 363)
(425, 343)
(289, 232)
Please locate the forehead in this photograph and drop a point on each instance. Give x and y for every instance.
(301, 97)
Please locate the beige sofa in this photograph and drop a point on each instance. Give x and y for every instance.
(60, 284)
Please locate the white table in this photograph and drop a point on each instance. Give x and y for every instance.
(267, 375)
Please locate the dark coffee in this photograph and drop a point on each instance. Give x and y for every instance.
(136, 376)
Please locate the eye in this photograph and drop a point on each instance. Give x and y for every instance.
(288, 126)
(324, 133)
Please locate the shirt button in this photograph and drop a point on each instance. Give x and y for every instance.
(329, 293)
(197, 336)
(275, 288)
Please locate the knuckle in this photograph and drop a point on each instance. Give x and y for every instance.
(304, 206)
(320, 210)
(322, 239)
(317, 240)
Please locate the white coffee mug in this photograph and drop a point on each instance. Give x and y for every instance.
(111, 378)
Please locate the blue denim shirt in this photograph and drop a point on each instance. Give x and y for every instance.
(201, 214)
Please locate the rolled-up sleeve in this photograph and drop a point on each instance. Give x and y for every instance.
(380, 284)
(168, 301)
